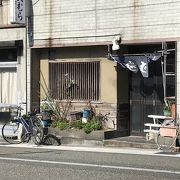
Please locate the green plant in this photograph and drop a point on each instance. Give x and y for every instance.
(166, 108)
(62, 125)
(59, 110)
(88, 128)
(168, 104)
(76, 124)
(92, 125)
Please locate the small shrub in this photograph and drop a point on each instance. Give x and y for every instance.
(92, 125)
(77, 124)
(62, 125)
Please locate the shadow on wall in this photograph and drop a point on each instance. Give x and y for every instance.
(30, 27)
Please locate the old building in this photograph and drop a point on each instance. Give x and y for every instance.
(12, 58)
(73, 39)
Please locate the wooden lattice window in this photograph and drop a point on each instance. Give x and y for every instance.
(74, 80)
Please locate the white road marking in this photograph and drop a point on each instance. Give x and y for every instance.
(92, 165)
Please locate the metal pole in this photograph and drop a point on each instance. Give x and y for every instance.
(163, 64)
(165, 57)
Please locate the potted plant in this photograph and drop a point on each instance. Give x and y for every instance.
(166, 110)
(169, 108)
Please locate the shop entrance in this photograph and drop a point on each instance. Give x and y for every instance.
(139, 93)
(147, 94)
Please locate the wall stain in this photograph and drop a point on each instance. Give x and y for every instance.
(135, 17)
(49, 39)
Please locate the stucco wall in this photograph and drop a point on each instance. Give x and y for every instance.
(44, 77)
(108, 85)
(108, 81)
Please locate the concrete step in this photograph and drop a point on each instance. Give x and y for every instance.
(130, 141)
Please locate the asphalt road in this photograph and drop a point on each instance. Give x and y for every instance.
(71, 163)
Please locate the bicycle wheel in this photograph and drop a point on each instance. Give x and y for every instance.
(37, 130)
(165, 143)
(51, 139)
(12, 132)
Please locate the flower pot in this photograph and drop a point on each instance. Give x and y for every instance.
(46, 122)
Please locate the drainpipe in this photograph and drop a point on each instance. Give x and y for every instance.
(27, 15)
(26, 21)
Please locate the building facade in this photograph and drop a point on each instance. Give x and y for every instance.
(13, 79)
(70, 42)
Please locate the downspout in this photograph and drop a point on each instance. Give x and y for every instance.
(26, 59)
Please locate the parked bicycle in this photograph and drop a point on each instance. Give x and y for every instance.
(22, 129)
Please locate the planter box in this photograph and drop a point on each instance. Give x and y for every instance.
(79, 137)
(77, 133)
(168, 131)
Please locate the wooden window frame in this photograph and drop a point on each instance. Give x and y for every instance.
(78, 81)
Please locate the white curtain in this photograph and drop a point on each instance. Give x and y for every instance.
(8, 87)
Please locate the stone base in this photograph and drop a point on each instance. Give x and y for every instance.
(79, 137)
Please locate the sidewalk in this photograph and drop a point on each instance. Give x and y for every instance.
(128, 141)
(115, 150)
(131, 142)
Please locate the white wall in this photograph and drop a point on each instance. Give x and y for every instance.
(72, 21)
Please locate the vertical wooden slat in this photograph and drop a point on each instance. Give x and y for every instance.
(81, 80)
(85, 75)
(86, 80)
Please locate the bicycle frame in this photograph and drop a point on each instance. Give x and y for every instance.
(22, 129)
(28, 126)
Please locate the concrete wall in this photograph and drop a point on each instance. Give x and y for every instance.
(59, 23)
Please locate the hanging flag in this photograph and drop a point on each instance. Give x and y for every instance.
(119, 59)
(131, 64)
(142, 62)
(136, 63)
(153, 56)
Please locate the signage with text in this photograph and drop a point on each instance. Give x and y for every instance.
(17, 11)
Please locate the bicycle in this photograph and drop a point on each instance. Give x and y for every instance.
(22, 129)
(167, 138)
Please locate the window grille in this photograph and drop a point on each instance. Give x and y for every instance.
(74, 80)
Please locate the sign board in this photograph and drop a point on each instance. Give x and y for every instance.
(17, 11)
